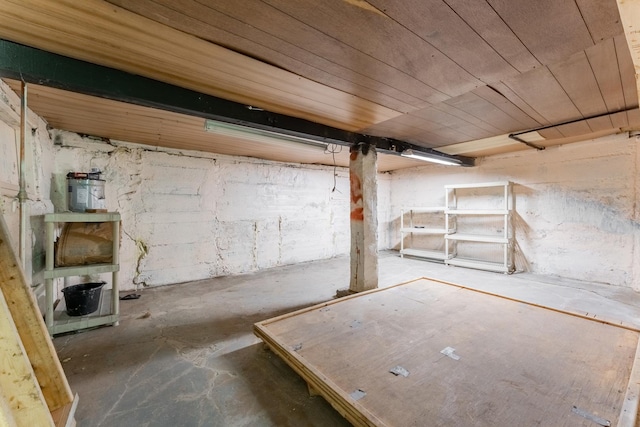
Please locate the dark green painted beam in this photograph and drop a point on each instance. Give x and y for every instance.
(40, 67)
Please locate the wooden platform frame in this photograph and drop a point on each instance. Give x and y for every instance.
(358, 414)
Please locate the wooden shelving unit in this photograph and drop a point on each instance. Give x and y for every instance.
(415, 227)
(57, 321)
(503, 190)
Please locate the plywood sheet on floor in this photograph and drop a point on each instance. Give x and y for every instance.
(513, 363)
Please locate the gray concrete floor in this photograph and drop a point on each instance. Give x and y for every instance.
(185, 355)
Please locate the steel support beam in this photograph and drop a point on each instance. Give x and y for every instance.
(45, 68)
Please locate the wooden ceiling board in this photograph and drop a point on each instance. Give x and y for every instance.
(98, 32)
(550, 29)
(603, 123)
(375, 34)
(407, 129)
(499, 150)
(627, 73)
(509, 108)
(484, 20)
(132, 123)
(551, 133)
(578, 138)
(630, 17)
(467, 118)
(482, 109)
(578, 81)
(317, 43)
(602, 18)
(351, 64)
(436, 23)
(634, 119)
(542, 92)
(604, 63)
(446, 133)
(493, 144)
(272, 40)
(445, 122)
(619, 120)
(514, 98)
(575, 129)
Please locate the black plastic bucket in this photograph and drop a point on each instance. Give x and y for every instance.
(82, 299)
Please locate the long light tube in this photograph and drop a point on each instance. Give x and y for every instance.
(257, 135)
(428, 157)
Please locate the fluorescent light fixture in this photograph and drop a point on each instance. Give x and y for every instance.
(257, 135)
(428, 157)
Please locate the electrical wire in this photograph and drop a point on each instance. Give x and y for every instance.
(334, 149)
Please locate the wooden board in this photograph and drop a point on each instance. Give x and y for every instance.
(550, 29)
(492, 28)
(31, 327)
(385, 39)
(18, 384)
(482, 109)
(602, 18)
(578, 81)
(157, 128)
(95, 31)
(438, 24)
(513, 363)
(542, 92)
(604, 63)
(262, 31)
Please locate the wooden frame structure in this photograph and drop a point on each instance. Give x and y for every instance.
(461, 357)
(33, 387)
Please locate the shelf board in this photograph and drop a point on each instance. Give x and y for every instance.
(477, 238)
(480, 265)
(82, 217)
(80, 270)
(477, 212)
(479, 185)
(423, 253)
(425, 209)
(418, 230)
(62, 322)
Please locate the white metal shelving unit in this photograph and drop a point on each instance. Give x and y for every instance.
(505, 238)
(58, 321)
(415, 229)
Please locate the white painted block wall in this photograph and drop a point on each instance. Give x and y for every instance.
(576, 206)
(38, 155)
(199, 216)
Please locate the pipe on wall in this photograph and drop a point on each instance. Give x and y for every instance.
(516, 135)
(22, 192)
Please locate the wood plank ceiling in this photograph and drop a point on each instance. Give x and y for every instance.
(446, 74)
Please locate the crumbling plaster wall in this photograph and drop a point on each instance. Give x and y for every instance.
(186, 215)
(39, 167)
(190, 215)
(576, 206)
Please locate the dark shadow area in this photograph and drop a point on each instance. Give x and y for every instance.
(282, 393)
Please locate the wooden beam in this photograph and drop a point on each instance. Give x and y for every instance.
(364, 218)
(630, 17)
(18, 383)
(31, 327)
(65, 416)
(6, 417)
